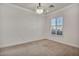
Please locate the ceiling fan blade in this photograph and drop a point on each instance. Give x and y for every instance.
(51, 6)
(39, 4)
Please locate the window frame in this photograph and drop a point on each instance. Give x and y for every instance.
(51, 26)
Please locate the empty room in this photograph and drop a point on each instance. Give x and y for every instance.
(39, 29)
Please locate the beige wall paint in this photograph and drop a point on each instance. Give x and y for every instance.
(18, 26)
(71, 25)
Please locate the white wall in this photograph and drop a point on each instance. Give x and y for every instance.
(71, 25)
(18, 26)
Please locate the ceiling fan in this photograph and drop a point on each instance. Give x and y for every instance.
(40, 9)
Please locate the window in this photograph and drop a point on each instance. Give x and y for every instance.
(57, 25)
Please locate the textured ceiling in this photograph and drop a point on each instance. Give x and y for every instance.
(32, 6)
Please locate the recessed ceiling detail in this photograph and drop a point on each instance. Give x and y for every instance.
(48, 7)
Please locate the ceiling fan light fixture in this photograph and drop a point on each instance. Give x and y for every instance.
(39, 10)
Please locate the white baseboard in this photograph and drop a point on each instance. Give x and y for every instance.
(66, 43)
(14, 44)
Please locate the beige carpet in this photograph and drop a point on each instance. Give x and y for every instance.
(40, 48)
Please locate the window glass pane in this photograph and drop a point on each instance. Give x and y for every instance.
(60, 27)
(59, 20)
(53, 30)
(53, 21)
(59, 30)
